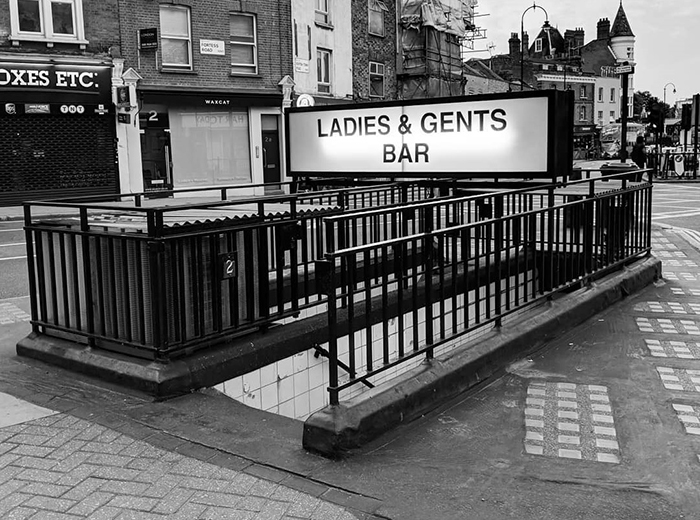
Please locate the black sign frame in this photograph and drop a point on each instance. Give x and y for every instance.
(148, 38)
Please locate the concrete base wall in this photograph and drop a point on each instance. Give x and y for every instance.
(336, 430)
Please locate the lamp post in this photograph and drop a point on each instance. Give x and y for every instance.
(522, 36)
(674, 91)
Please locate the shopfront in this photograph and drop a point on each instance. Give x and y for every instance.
(586, 142)
(209, 139)
(56, 128)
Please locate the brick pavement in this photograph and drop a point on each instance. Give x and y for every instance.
(64, 467)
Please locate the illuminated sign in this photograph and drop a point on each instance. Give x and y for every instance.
(491, 134)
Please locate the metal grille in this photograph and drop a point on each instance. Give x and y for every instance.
(56, 156)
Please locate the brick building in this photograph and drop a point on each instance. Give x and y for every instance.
(205, 82)
(374, 50)
(56, 113)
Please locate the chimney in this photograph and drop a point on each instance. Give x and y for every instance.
(526, 44)
(603, 29)
(514, 45)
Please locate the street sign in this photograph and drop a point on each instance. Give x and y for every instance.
(624, 69)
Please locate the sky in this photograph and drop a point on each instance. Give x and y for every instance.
(666, 48)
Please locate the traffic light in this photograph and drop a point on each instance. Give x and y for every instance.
(686, 113)
(656, 116)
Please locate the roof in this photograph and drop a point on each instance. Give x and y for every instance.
(552, 41)
(621, 26)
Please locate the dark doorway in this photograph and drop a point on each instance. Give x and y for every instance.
(271, 153)
(156, 156)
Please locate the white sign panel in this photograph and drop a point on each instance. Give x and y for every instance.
(217, 47)
(483, 136)
(301, 65)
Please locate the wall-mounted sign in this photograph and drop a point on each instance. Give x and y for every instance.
(301, 65)
(216, 47)
(32, 82)
(124, 118)
(479, 135)
(148, 38)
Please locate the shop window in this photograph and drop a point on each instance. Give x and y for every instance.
(324, 61)
(176, 38)
(376, 17)
(244, 47)
(50, 21)
(210, 148)
(322, 14)
(376, 79)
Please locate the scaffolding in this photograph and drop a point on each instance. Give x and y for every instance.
(433, 36)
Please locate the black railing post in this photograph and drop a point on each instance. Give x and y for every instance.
(31, 273)
(498, 253)
(88, 269)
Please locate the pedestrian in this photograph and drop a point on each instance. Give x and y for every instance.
(639, 155)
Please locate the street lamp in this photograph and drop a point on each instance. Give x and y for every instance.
(522, 37)
(674, 91)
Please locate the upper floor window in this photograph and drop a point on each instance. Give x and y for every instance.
(244, 45)
(175, 36)
(582, 113)
(322, 14)
(376, 17)
(600, 94)
(50, 21)
(324, 62)
(582, 92)
(376, 79)
(612, 95)
(538, 45)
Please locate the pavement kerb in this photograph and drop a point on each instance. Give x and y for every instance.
(336, 431)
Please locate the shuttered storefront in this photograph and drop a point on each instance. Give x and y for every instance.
(50, 156)
(57, 130)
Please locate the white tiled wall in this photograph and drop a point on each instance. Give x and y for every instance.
(297, 386)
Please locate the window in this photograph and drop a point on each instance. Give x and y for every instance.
(582, 92)
(244, 48)
(612, 116)
(376, 79)
(612, 95)
(323, 70)
(296, 40)
(322, 15)
(600, 97)
(176, 42)
(538, 45)
(48, 21)
(582, 113)
(600, 117)
(376, 17)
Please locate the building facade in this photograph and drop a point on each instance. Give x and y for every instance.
(374, 56)
(202, 94)
(56, 112)
(321, 43)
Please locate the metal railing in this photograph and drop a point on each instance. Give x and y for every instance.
(441, 270)
(162, 281)
(403, 268)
